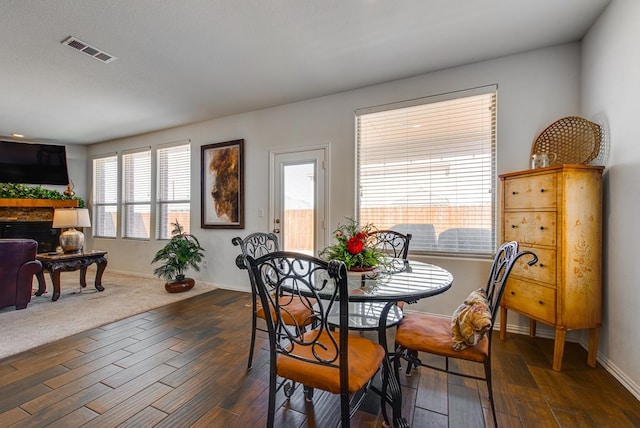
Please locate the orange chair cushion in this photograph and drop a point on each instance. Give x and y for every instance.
(365, 358)
(431, 334)
(296, 312)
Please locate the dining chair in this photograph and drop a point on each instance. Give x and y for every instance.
(394, 244)
(321, 358)
(432, 334)
(299, 315)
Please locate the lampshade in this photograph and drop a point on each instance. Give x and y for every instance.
(71, 240)
(71, 217)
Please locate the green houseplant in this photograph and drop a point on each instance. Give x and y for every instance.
(183, 251)
(353, 246)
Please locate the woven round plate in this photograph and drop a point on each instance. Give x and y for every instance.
(573, 139)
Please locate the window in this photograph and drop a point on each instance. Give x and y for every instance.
(105, 197)
(174, 189)
(427, 167)
(136, 194)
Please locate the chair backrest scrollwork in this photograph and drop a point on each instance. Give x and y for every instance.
(282, 276)
(391, 242)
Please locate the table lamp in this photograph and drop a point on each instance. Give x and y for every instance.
(71, 240)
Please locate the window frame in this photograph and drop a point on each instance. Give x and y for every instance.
(125, 203)
(481, 250)
(160, 201)
(97, 204)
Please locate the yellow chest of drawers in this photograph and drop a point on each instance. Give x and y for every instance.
(555, 212)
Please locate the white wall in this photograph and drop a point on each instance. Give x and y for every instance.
(534, 89)
(78, 169)
(611, 90)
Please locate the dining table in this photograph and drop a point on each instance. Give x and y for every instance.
(373, 304)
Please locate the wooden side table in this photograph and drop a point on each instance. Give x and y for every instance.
(56, 263)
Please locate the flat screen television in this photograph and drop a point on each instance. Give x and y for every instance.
(27, 163)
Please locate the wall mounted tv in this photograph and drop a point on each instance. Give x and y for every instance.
(27, 163)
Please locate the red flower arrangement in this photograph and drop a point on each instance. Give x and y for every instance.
(353, 247)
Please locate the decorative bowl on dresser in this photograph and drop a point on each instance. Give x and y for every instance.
(556, 212)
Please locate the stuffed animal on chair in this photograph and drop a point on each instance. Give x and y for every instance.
(470, 321)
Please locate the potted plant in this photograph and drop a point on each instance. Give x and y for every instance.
(183, 251)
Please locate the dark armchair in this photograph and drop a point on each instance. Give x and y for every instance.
(18, 264)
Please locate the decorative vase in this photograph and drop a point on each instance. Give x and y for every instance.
(179, 285)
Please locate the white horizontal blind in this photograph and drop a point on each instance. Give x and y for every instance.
(173, 190)
(136, 194)
(427, 167)
(105, 197)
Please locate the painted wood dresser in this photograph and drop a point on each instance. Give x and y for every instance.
(556, 212)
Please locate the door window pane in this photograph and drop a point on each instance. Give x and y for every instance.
(299, 208)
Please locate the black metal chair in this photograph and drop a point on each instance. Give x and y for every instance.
(256, 245)
(393, 243)
(333, 361)
(432, 334)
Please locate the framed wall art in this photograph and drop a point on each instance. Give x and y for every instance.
(223, 185)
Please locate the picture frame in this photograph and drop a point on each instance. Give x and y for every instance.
(222, 185)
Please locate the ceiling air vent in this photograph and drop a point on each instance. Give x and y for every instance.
(86, 48)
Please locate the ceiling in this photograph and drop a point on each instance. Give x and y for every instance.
(184, 61)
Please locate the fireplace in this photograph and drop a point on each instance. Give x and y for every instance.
(40, 231)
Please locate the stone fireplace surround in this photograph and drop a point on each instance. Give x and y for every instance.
(32, 218)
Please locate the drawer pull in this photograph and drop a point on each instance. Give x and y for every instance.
(541, 265)
(541, 227)
(541, 302)
(513, 226)
(541, 190)
(514, 193)
(513, 293)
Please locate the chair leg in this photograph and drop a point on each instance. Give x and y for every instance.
(253, 340)
(272, 399)
(487, 374)
(308, 394)
(412, 360)
(345, 411)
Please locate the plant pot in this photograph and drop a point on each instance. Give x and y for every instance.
(179, 285)
(362, 269)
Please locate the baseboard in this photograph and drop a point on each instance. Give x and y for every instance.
(149, 276)
(615, 371)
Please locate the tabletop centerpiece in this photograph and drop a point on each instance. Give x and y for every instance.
(354, 247)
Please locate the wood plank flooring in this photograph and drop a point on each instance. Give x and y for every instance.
(184, 365)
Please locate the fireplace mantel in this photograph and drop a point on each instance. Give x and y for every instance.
(32, 209)
(38, 203)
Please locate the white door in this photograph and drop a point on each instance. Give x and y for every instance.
(298, 202)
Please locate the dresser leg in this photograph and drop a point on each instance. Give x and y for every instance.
(503, 323)
(532, 327)
(558, 349)
(593, 346)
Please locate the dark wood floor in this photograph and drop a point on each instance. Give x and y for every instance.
(184, 365)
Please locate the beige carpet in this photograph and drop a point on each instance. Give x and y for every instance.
(44, 321)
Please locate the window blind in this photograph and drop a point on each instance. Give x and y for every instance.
(427, 167)
(136, 194)
(105, 197)
(173, 189)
